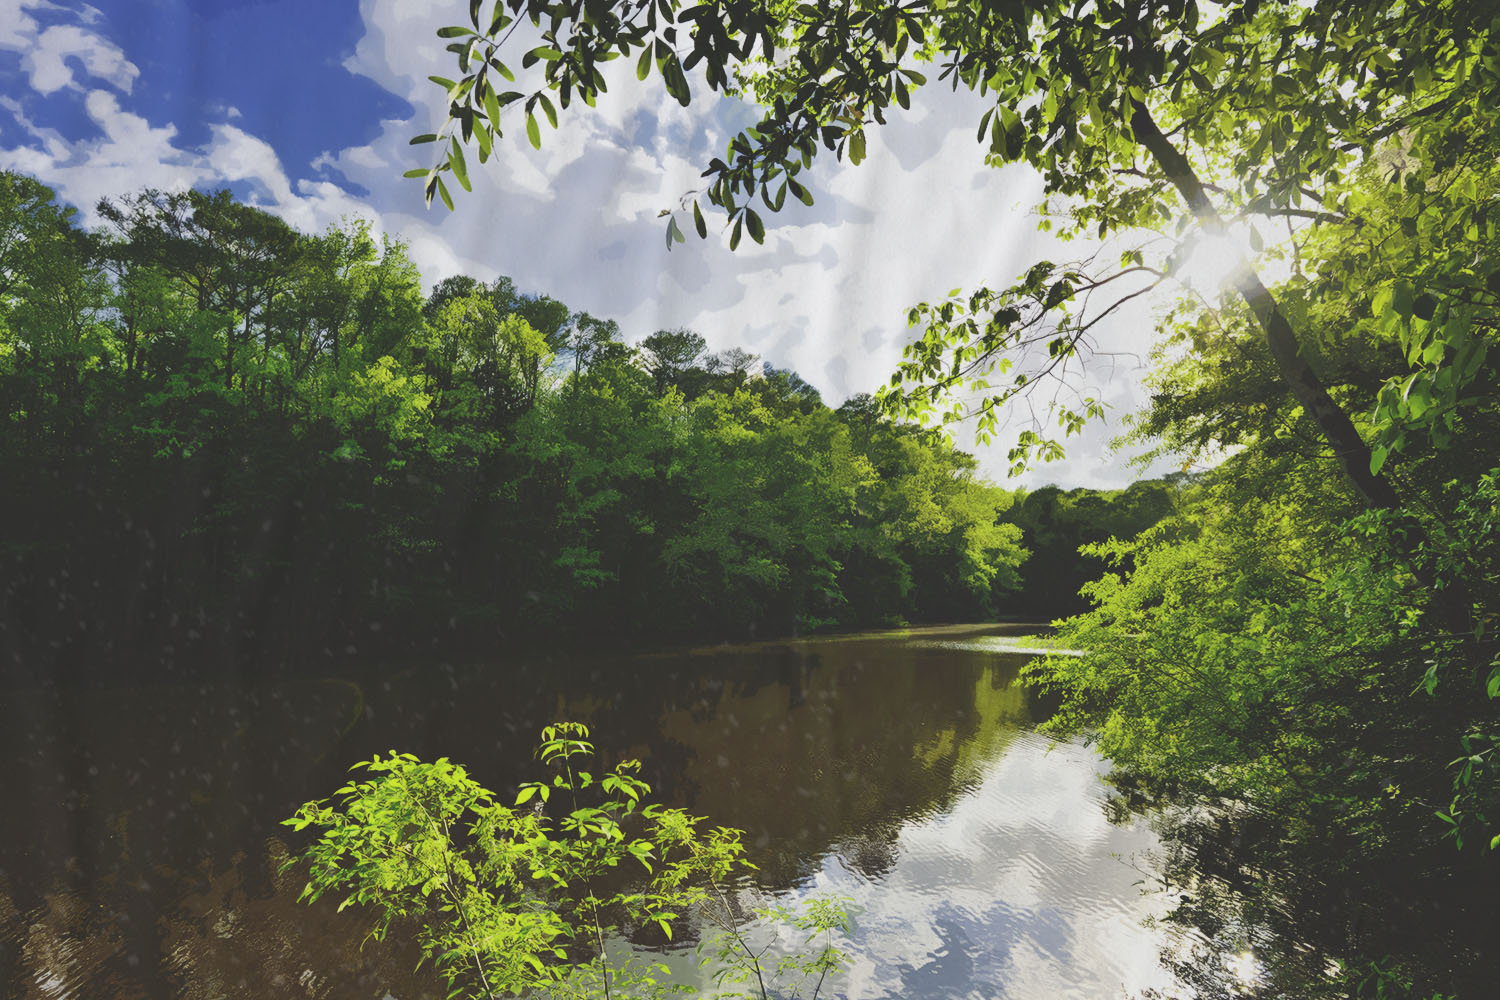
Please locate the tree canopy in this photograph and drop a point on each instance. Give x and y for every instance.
(248, 434)
(1139, 115)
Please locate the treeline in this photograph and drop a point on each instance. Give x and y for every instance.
(222, 434)
(1057, 524)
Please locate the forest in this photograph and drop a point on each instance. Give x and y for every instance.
(280, 438)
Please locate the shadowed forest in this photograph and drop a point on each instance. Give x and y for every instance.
(241, 438)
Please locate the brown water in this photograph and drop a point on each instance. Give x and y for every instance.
(140, 842)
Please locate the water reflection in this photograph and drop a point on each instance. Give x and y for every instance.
(1021, 889)
(139, 854)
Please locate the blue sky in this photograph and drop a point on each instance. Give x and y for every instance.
(278, 64)
(304, 107)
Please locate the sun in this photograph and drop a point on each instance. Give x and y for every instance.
(1210, 260)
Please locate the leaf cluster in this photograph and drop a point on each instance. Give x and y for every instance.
(526, 898)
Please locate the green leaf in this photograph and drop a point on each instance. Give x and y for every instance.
(698, 222)
(454, 31)
(856, 150)
(677, 84)
(533, 132)
(643, 65)
(755, 227)
(456, 161)
(424, 137)
(1401, 297)
(997, 138)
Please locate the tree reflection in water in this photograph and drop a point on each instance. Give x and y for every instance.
(142, 849)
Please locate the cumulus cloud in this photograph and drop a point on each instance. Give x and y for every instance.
(828, 292)
(47, 62)
(18, 29)
(45, 54)
(132, 154)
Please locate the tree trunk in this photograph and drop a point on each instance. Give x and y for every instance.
(1349, 448)
(1452, 602)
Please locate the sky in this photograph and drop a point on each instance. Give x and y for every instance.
(305, 109)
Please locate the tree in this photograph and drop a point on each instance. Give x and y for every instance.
(1263, 643)
(500, 355)
(668, 353)
(235, 260)
(788, 388)
(526, 901)
(53, 305)
(30, 222)
(1141, 114)
(373, 458)
(590, 340)
(1056, 524)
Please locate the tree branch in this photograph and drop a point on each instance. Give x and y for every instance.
(1451, 601)
(1349, 448)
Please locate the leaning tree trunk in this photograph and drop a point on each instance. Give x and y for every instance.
(1451, 602)
(1349, 448)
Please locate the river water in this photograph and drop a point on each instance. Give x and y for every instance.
(140, 843)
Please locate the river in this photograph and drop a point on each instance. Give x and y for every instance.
(140, 843)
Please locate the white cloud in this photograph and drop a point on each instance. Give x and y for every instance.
(47, 62)
(133, 154)
(17, 28)
(400, 45)
(237, 155)
(45, 54)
